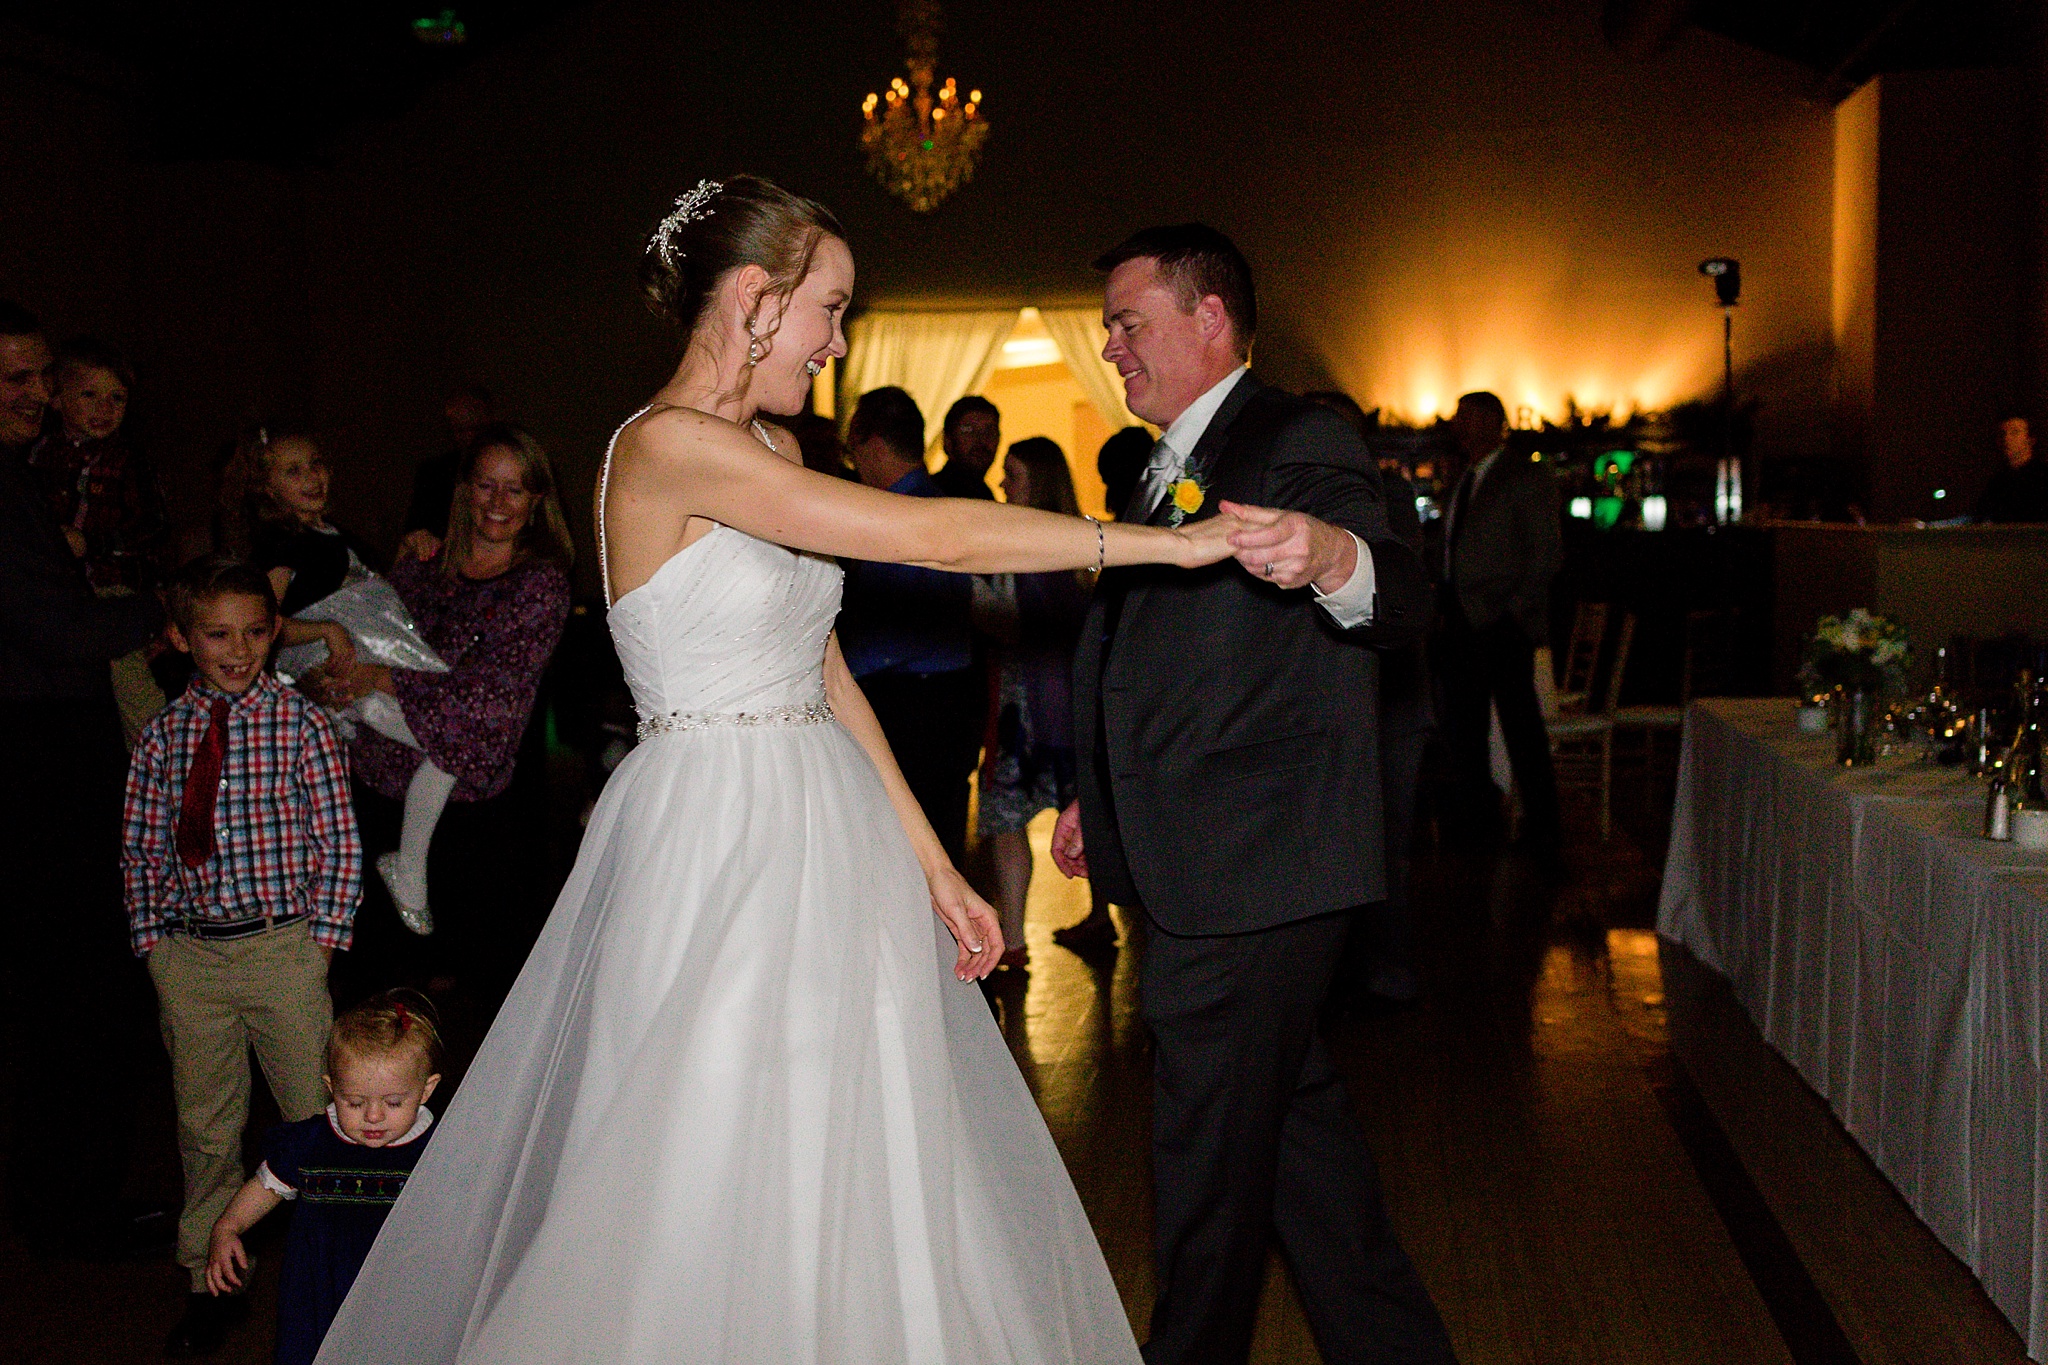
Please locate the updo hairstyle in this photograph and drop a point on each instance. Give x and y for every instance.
(744, 221)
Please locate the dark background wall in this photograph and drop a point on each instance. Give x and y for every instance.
(1953, 265)
(1473, 193)
(198, 270)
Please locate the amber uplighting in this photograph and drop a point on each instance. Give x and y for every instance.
(1550, 321)
(1541, 377)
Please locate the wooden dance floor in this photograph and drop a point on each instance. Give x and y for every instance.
(1589, 1151)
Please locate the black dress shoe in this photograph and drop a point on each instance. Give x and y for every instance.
(204, 1328)
(1091, 935)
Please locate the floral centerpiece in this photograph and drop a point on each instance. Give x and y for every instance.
(1858, 657)
(1859, 652)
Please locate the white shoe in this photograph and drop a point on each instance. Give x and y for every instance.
(415, 917)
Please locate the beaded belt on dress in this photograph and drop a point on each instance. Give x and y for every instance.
(808, 713)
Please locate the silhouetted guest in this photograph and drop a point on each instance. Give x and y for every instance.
(972, 435)
(102, 491)
(1379, 954)
(1502, 547)
(1030, 766)
(906, 631)
(105, 497)
(1120, 463)
(2018, 492)
(75, 999)
(468, 410)
(818, 438)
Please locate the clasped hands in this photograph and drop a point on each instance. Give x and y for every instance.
(1286, 549)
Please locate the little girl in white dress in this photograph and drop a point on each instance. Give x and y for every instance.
(381, 629)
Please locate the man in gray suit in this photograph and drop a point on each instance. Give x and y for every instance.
(1227, 731)
(1502, 546)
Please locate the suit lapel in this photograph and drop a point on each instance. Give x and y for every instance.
(1479, 499)
(1209, 450)
(1490, 487)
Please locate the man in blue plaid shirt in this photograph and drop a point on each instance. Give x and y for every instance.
(243, 869)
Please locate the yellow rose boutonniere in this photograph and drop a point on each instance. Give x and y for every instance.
(1188, 496)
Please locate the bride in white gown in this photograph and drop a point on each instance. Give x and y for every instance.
(743, 1104)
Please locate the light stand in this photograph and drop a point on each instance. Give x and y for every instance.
(1726, 274)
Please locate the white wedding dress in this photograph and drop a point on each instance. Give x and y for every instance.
(738, 1108)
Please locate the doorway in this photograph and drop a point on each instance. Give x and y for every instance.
(1042, 368)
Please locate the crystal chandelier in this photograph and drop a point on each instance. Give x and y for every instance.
(922, 146)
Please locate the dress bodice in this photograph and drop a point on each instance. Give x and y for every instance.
(730, 625)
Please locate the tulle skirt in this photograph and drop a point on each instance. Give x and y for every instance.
(737, 1109)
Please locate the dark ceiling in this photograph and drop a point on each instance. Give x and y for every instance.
(276, 82)
(271, 82)
(1843, 42)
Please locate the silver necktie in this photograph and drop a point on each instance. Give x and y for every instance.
(1159, 472)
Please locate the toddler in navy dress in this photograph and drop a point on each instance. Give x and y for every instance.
(344, 1168)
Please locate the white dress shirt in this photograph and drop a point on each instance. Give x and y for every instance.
(1349, 606)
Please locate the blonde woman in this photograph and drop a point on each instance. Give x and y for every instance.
(492, 603)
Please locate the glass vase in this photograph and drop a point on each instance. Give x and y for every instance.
(1857, 713)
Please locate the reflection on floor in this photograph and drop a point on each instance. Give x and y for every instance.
(1589, 1151)
(1587, 1148)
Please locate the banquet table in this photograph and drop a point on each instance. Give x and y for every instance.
(1891, 955)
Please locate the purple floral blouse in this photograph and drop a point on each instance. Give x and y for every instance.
(497, 636)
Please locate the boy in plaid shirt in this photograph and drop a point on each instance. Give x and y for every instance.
(243, 869)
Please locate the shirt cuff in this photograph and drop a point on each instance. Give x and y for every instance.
(143, 937)
(335, 934)
(1352, 605)
(273, 1184)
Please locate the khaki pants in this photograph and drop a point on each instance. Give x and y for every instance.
(136, 694)
(218, 1000)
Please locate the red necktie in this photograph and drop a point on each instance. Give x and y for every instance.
(202, 784)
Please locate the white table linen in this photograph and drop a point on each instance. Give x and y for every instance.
(1892, 956)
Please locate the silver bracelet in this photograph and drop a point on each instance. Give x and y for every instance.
(1101, 543)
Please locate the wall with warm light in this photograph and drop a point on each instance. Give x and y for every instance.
(1473, 193)
(1437, 197)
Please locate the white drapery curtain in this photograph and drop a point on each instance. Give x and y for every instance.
(1080, 336)
(938, 358)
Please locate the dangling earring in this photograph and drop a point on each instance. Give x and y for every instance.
(754, 348)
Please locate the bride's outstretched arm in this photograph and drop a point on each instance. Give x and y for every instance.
(684, 463)
(967, 915)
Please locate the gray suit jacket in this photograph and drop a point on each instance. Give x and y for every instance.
(1505, 548)
(1226, 731)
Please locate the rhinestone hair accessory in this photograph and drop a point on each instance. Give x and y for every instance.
(690, 208)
